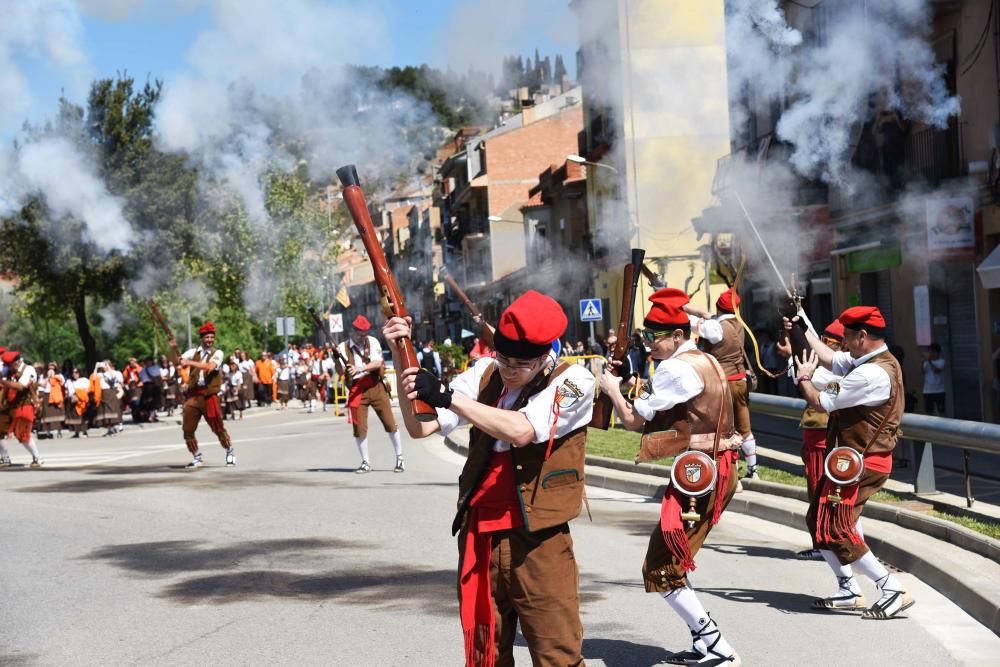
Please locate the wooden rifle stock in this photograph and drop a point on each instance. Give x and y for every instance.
(392, 300)
(157, 314)
(630, 286)
(485, 332)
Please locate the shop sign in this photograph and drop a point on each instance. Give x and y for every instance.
(874, 259)
(951, 228)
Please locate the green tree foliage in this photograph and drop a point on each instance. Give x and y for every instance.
(68, 273)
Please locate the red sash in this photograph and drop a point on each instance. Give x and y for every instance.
(671, 524)
(358, 388)
(835, 521)
(494, 507)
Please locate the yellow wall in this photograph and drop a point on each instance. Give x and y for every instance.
(675, 126)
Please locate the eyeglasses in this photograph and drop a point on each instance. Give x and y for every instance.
(516, 366)
(650, 336)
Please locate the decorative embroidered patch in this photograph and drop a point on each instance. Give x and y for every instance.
(645, 390)
(832, 388)
(567, 394)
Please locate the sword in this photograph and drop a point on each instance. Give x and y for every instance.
(760, 240)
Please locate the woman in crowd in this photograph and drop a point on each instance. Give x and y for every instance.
(77, 398)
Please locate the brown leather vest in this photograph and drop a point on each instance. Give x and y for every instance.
(729, 350)
(695, 421)
(550, 492)
(856, 426)
(213, 381)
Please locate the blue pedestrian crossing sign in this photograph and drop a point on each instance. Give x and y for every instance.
(590, 310)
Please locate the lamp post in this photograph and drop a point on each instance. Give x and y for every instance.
(582, 160)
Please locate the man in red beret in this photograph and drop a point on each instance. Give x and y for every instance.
(521, 485)
(17, 416)
(722, 336)
(366, 377)
(687, 406)
(814, 423)
(865, 413)
(203, 387)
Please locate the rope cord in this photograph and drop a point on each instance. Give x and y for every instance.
(746, 327)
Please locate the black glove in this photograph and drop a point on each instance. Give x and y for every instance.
(430, 390)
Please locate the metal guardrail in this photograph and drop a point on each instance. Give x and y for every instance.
(960, 433)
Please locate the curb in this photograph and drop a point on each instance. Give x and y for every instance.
(899, 536)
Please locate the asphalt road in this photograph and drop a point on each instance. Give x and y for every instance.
(113, 554)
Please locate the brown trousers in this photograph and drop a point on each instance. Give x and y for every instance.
(534, 580)
(846, 551)
(196, 407)
(661, 572)
(378, 398)
(741, 406)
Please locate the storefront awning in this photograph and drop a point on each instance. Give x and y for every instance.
(989, 270)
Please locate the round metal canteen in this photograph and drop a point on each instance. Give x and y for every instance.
(844, 466)
(693, 473)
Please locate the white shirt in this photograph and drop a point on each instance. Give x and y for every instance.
(82, 383)
(202, 355)
(374, 354)
(330, 369)
(28, 376)
(575, 387)
(235, 379)
(246, 366)
(711, 330)
(674, 382)
(861, 383)
(284, 373)
(933, 382)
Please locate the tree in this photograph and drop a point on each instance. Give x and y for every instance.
(560, 69)
(58, 267)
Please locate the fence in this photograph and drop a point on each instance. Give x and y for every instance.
(958, 433)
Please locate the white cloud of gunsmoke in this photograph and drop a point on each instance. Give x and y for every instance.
(62, 175)
(858, 51)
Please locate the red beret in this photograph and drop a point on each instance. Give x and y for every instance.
(361, 323)
(2, 349)
(206, 328)
(834, 330)
(10, 356)
(863, 317)
(728, 300)
(529, 325)
(667, 310)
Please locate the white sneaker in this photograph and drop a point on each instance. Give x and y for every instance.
(400, 465)
(196, 462)
(37, 463)
(892, 603)
(230, 457)
(848, 596)
(363, 468)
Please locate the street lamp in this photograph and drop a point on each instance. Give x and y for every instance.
(581, 160)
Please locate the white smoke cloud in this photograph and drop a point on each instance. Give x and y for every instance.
(54, 169)
(49, 32)
(858, 51)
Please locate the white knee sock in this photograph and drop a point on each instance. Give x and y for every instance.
(397, 446)
(869, 566)
(31, 447)
(857, 527)
(749, 447)
(686, 604)
(362, 444)
(3, 449)
(834, 563)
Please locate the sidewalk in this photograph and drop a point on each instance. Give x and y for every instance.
(969, 576)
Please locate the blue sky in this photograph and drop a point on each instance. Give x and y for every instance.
(156, 36)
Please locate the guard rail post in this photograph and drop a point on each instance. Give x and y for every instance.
(923, 468)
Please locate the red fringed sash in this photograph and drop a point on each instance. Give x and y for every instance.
(813, 455)
(494, 507)
(835, 521)
(358, 388)
(671, 524)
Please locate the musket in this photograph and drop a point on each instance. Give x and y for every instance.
(328, 337)
(630, 286)
(654, 280)
(392, 299)
(485, 330)
(173, 353)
